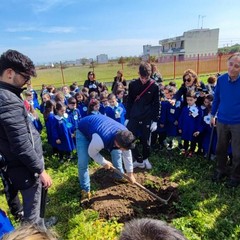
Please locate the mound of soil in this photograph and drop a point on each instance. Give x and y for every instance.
(126, 201)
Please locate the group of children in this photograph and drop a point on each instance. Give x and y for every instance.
(63, 109)
(189, 124)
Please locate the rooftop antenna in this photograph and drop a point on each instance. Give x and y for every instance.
(198, 20)
(202, 21)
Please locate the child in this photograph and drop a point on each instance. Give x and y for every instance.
(74, 115)
(32, 114)
(45, 97)
(93, 107)
(61, 132)
(116, 110)
(34, 95)
(48, 115)
(207, 128)
(172, 115)
(66, 93)
(81, 103)
(190, 124)
(103, 102)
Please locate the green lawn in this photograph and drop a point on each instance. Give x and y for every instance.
(204, 210)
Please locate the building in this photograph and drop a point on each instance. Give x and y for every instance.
(149, 50)
(102, 58)
(193, 43)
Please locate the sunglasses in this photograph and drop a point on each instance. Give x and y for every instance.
(72, 103)
(187, 80)
(26, 77)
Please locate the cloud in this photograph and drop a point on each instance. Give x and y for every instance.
(39, 6)
(24, 38)
(50, 29)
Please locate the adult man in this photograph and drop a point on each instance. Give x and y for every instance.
(97, 132)
(20, 143)
(226, 106)
(143, 108)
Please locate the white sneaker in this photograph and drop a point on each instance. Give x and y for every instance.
(138, 165)
(147, 164)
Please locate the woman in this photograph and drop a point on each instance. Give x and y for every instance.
(91, 83)
(191, 82)
(119, 80)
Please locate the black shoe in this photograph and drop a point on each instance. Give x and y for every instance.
(218, 177)
(232, 183)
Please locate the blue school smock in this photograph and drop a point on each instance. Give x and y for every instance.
(189, 124)
(163, 117)
(61, 129)
(117, 113)
(74, 117)
(173, 113)
(82, 107)
(48, 124)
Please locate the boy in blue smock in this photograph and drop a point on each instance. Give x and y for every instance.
(190, 124)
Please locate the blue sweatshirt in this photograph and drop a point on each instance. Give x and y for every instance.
(226, 103)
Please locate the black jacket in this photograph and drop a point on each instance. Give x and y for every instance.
(20, 142)
(145, 108)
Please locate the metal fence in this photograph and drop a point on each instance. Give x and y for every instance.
(200, 64)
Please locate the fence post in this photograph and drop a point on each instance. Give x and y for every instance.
(174, 67)
(62, 73)
(198, 64)
(219, 62)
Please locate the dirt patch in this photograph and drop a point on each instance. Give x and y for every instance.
(127, 201)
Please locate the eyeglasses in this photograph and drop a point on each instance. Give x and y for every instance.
(187, 80)
(26, 77)
(72, 103)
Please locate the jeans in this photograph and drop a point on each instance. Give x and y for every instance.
(83, 160)
(82, 144)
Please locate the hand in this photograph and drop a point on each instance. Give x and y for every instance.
(45, 179)
(126, 122)
(132, 178)
(108, 165)
(213, 121)
(153, 126)
(180, 130)
(58, 141)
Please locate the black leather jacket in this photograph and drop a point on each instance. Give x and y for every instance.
(20, 143)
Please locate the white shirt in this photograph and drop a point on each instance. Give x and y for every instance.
(96, 145)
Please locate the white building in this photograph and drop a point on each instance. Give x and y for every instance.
(202, 42)
(102, 58)
(149, 50)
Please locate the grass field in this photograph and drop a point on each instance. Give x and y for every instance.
(205, 211)
(104, 73)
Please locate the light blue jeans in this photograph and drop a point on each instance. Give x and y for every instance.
(82, 144)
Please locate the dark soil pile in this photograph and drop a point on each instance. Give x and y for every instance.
(127, 201)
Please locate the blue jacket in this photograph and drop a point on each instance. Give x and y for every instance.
(102, 125)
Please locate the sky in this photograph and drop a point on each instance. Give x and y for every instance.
(60, 30)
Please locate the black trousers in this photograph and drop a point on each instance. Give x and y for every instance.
(11, 194)
(141, 130)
